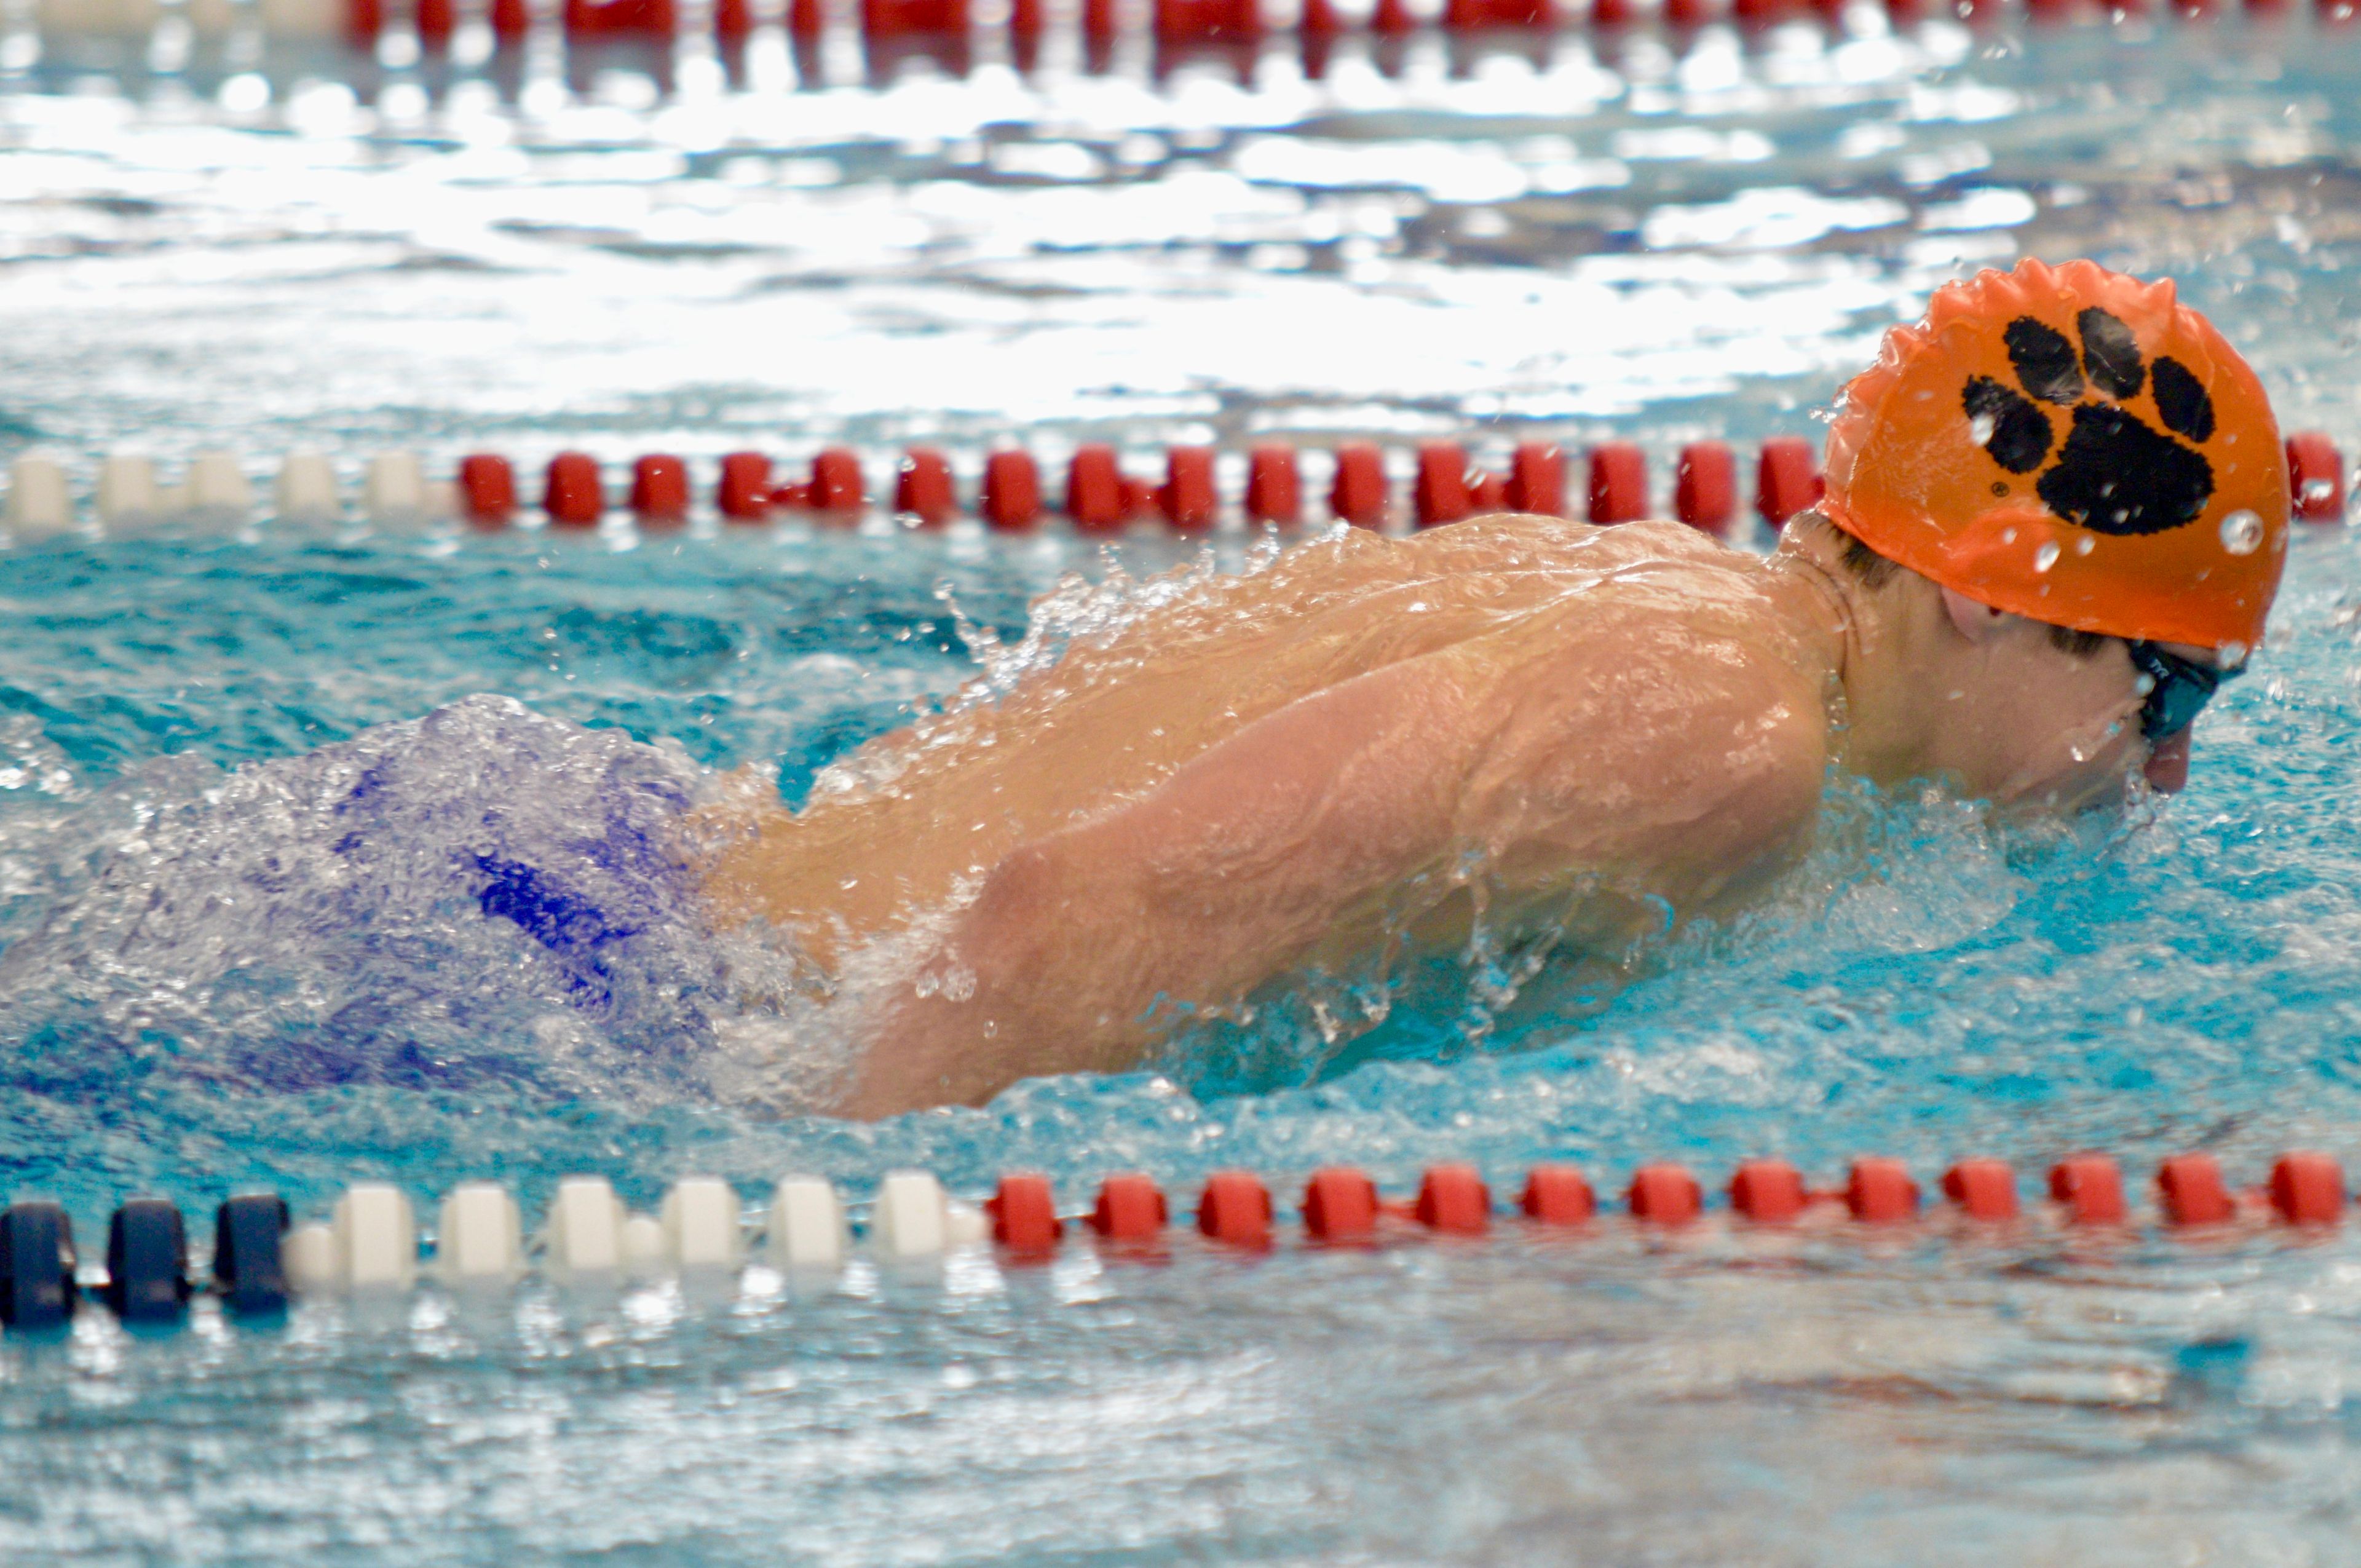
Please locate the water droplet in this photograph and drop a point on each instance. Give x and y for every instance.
(1980, 428)
(2144, 683)
(2231, 654)
(2085, 545)
(2241, 533)
(2045, 558)
(2318, 490)
(2008, 536)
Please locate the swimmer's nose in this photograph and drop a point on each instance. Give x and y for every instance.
(2167, 764)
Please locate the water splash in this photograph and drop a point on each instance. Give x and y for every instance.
(481, 894)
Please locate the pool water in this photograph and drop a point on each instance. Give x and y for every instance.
(329, 854)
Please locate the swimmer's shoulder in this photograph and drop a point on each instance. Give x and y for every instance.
(1530, 540)
(1701, 729)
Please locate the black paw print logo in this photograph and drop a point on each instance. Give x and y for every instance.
(2115, 473)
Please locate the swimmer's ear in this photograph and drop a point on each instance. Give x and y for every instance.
(1976, 622)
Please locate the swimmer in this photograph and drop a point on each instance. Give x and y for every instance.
(2055, 520)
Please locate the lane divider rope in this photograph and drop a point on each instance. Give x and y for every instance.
(947, 27)
(370, 1241)
(1099, 496)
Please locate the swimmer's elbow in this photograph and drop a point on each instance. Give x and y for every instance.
(1050, 908)
(1773, 793)
(1028, 891)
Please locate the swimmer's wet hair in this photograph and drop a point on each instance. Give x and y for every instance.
(1874, 571)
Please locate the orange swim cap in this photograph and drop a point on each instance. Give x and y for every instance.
(2075, 447)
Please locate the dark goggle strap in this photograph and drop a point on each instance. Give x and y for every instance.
(2178, 691)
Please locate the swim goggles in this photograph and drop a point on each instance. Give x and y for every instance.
(2177, 689)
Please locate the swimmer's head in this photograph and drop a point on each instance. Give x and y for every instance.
(2075, 447)
(2090, 478)
(2010, 709)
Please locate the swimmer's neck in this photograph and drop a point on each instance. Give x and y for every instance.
(1885, 646)
(1937, 685)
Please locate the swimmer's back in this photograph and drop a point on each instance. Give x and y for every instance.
(944, 800)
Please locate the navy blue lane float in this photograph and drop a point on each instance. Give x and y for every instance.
(249, 1266)
(37, 1266)
(147, 1276)
(146, 1263)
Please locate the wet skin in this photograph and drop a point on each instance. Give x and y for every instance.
(1583, 727)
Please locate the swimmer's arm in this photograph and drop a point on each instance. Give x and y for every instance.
(1251, 853)
(1234, 865)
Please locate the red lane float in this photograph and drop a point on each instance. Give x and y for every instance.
(1274, 487)
(2189, 1188)
(1454, 1198)
(1187, 497)
(1557, 1195)
(2089, 1190)
(1359, 493)
(619, 18)
(1340, 1205)
(1440, 493)
(744, 492)
(488, 491)
(1236, 1207)
(1130, 1208)
(1768, 1191)
(2316, 476)
(1786, 479)
(1880, 1192)
(836, 484)
(922, 486)
(2307, 1189)
(1983, 1189)
(1536, 479)
(571, 493)
(660, 491)
(1095, 498)
(886, 21)
(1011, 498)
(1184, 22)
(1665, 1195)
(1025, 1214)
(1705, 486)
(1619, 483)
(1475, 15)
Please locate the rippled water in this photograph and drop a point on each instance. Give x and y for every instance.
(256, 822)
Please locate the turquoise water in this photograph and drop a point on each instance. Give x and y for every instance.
(252, 781)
